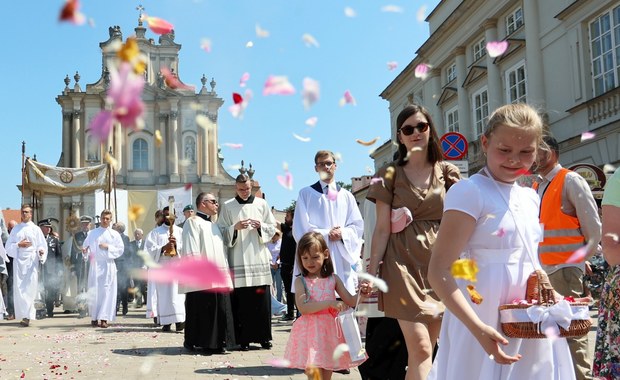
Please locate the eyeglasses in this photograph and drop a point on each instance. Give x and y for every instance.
(327, 164)
(212, 201)
(408, 130)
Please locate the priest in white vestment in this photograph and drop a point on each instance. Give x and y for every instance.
(331, 211)
(28, 248)
(170, 304)
(4, 259)
(248, 225)
(101, 247)
(208, 310)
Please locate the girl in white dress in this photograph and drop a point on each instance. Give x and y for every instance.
(494, 221)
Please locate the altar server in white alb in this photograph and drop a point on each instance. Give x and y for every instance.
(248, 225)
(28, 248)
(101, 247)
(159, 244)
(331, 211)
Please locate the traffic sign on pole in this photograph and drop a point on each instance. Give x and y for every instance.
(454, 146)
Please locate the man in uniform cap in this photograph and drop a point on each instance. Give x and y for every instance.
(52, 268)
(187, 212)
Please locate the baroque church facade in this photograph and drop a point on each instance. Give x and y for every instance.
(189, 154)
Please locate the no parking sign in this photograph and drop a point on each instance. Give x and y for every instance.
(454, 146)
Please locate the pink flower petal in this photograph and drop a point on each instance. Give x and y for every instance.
(347, 98)
(233, 146)
(392, 65)
(192, 272)
(587, 135)
(286, 181)
(499, 233)
(173, 81)
(422, 70)
(205, 44)
(278, 85)
(125, 94)
(311, 92)
(578, 256)
(158, 25)
(244, 78)
(496, 48)
(311, 121)
(101, 125)
(376, 180)
(279, 362)
(332, 195)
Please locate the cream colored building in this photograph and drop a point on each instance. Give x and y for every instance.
(563, 57)
(189, 154)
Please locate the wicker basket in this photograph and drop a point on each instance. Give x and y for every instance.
(539, 289)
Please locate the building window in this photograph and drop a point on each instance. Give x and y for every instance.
(480, 49)
(605, 50)
(452, 120)
(514, 21)
(140, 155)
(516, 83)
(451, 73)
(481, 110)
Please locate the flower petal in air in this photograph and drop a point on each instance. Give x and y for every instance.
(332, 195)
(340, 350)
(578, 256)
(70, 12)
(347, 98)
(311, 92)
(233, 145)
(125, 93)
(587, 135)
(206, 44)
(158, 25)
(113, 162)
(129, 51)
(279, 362)
(237, 98)
(350, 12)
(278, 85)
(172, 80)
(422, 70)
(286, 181)
(158, 139)
(420, 14)
(309, 40)
(392, 65)
(496, 48)
(376, 281)
(192, 272)
(101, 125)
(301, 138)
(244, 78)
(465, 269)
(134, 212)
(261, 33)
(474, 295)
(499, 233)
(367, 143)
(311, 121)
(392, 9)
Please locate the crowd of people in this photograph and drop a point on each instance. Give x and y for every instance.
(420, 218)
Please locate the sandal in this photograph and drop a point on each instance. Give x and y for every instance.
(104, 324)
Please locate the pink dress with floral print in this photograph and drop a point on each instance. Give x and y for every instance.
(314, 337)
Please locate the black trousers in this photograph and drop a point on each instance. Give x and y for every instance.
(122, 287)
(286, 271)
(387, 351)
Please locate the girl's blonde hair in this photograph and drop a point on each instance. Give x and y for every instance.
(314, 240)
(517, 115)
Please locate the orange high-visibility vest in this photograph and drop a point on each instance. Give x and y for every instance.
(562, 236)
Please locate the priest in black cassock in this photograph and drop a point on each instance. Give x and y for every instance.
(248, 225)
(208, 311)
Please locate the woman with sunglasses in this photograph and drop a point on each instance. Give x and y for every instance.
(415, 183)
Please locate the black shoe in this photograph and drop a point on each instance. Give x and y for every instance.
(189, 347)
(155, 321)
(343, 371)
(125, 312)
(287, 318)
(179, 326)
(50, 315)
(165, 328)
(245, 347)
(266, 345)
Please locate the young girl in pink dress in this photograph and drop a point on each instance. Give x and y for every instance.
(314, 336)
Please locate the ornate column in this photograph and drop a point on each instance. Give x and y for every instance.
(465, 124)
(494, 78)
(160, 161)
(203, 155)
(212, 151)
(533, 55)
(66, 139)
(174, 139)
(77, 143)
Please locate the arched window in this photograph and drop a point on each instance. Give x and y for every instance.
(140, 155)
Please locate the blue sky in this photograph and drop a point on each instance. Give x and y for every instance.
(38, 52)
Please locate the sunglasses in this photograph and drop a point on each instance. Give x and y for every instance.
(212, 201)
(408, 130)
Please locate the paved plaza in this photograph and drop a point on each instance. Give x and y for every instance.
(65, 347)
